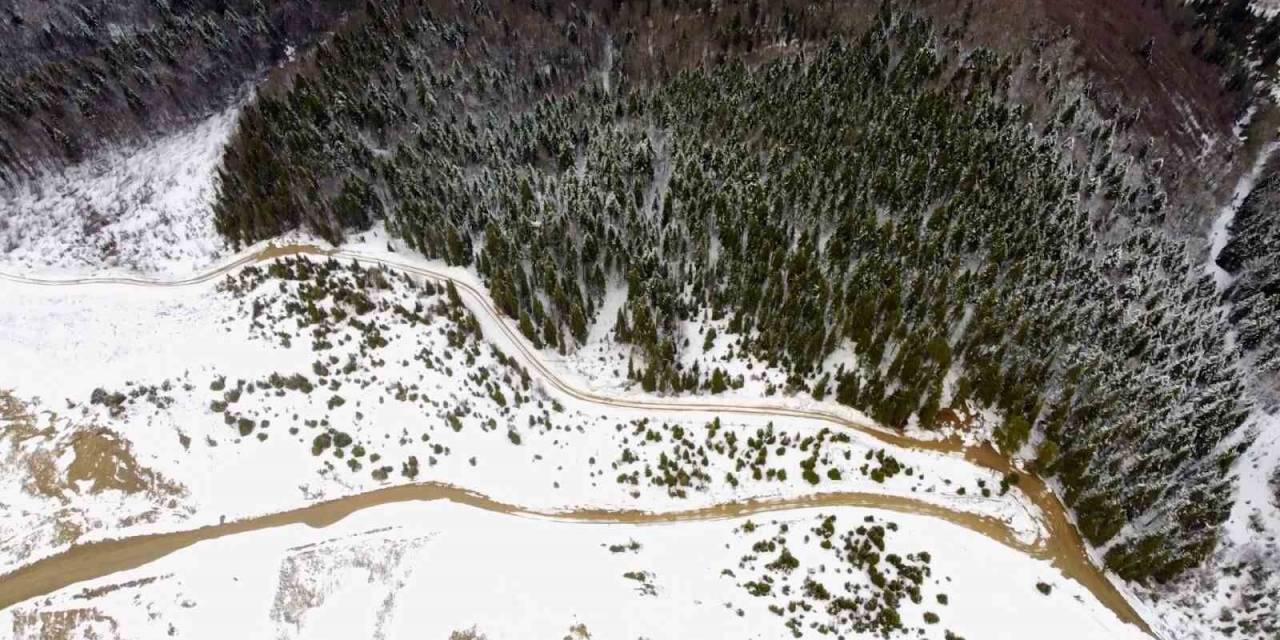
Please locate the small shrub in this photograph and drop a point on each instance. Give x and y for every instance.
(320, 443)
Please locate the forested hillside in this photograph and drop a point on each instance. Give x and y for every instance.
(78, 76)
(1252, 257)
(820, 184)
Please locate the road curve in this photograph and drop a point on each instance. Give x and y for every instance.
(1062, 545)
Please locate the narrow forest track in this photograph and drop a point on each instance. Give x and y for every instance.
(1061, 544)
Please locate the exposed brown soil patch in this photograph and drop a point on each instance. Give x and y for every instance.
(1108, 35)
(955, 417)
(100, 461)
(17, 423)
(104, 460)
(86, 624)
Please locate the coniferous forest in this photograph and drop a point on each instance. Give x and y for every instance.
(878, 186)
(77, 77)
(1251, 256)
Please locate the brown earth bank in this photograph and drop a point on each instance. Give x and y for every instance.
(57, 461)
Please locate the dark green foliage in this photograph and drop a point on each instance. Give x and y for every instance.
(1243, 41)
(1013, 434)
(320, 443)
(827, 601)
(718, 383)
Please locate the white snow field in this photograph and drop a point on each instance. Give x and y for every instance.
(135, 210)
(429, 570)
(428, 391)
(213, 401)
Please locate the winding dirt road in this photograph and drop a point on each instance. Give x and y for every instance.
(1061, 545)
(95, 559)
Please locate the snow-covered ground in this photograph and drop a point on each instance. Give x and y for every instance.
(153, 368)
(439, 570)
(141, 210)
(1219, 234)
(438, 403)
(424, 389)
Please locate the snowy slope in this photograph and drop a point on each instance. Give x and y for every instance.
(173, 354)
(142, 210)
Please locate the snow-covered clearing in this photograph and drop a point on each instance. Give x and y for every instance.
(252, 405)
(142, 210)
(287, 388)
(427, 570)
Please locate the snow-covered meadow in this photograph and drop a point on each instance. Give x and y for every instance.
(439, 568)
(207, 392)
